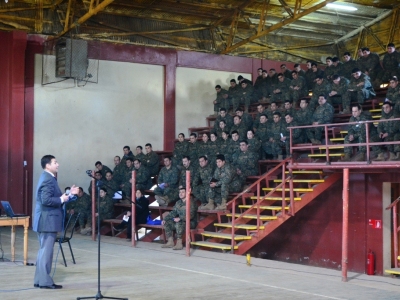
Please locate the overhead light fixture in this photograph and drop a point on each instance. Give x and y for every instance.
(340, 6)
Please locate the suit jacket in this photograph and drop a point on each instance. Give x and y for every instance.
(48, 210)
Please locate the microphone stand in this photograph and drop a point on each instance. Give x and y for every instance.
(99, 183)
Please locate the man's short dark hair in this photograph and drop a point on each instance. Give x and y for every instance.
(288, 101)
(235, 131)
(217, 86)
(103, 189)
(280, 74)
(81, 189)
(239, 109)
(194, 134)
(186, 156)
(319, 77)
(97, 172)
(244, 141)
(250, 130)
(356, 105)
(220, 157)
(118, 157)
(347, 53)
(321, 95)
(277, 113)
(168, 157)
(137, 159)
(391, 45)
(222, 109)
(272, 69)
(313, 64)
(335, 76)
(233, 80)
(264, 115)
(365, 49)
(226, 132)
(295, 72)
(182, 134)
(305, 99)
(335, 59)
(276, 103)
(127, 147)
(259, 69)
(238, 117)
(355, 70)
(140, 147)
(283, 65)
(98, 163)
(204, 157)
(289, 114)
(148, 144)
(330, 58)
(223, 121)
(109, 171)
(240, 77)
(46, 160)
(130, 159)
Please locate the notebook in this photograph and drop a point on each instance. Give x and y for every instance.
(9, 211)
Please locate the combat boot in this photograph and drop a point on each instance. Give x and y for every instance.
(380, 157)
(222, 206)
(160, 200)
(346, 157)
(392, 156)
(85, 231)
(169, 244)
(209, 206)
(359, 157)
(178, 245)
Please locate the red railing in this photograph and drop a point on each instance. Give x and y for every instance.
(256, 184)
(327, 127)
(396, 229)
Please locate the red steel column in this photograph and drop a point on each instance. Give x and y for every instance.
(345, 232)
(133, 210)
(188, 213)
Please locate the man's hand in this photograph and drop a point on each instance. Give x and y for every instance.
(162, 222)
(176, 220)
(215, 101)
(71, 211)
(333, 93)
(360, 84)
(238, 172)
(74, 190)
(213, 184)
(64, 198)
(315, 123)
(351, 137)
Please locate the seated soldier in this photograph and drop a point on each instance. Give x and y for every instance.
(246, 94)
(260, 111)
(143, 178)
(297, 136)
(102, 168)
(297, 88)
(187, 166)
(203, 147)
(176, 221)
(127, 153)
(388, 132)
(286, 72)
(83, 206)
(234, 94)
(201, 180)
(393, 94)
(281, 91)
(139, 153)
(225, 180)
(106, 211)
(338, 93)
(321, 87)
(239, 127)
(246, 163)
(223, 116)
(97, 176)
(213, 146)
(360, 87)
(247, 120)
(254, 143)
(151, 162)
(142, 212)
(323, 114)
(224, 144)
(193, 149)
(180, 150)
(118, 170)
(275, 133)
(221, 100)
(233, 147)
(126, 185)
(390, 63)
(168, 179)
(288, 108)
(111, 185)
(304, 117)
(357, 134)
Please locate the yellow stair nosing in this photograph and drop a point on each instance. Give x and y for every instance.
(376, 110)
(324, 154)
(264, 207)
(253, 217)
(393, 272)
(336, 139)
(288, 190)
(276, 198)
(236, 237)
(376, 117)
(214, 245)
(239, 226)
(333, 147)
(303, 180)
(344, 131)
(305, 172)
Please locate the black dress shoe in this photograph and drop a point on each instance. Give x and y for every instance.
(52, 287)
(35, 285)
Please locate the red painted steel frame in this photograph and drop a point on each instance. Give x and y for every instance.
(133, 210)
(345, 232)
(396, 230)
(187, 231)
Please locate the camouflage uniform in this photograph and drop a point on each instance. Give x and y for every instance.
(82, 205)
(392, 128)
(224, 148)
(106, 210)
(360, 93)
(118, 173)
(228, 121)
(323, 114)
(111, 186)
(284, 93)
(241, 129)
(123, 159)
(393, 94)
(288, 74)
(329, 72)
(104, 170)
(180, 150)
(275, 131)
(262, 135)
(221, 101)
(258, 87)
(304, 118)
(342, 97)
(295, 95)
(255, 146)
(213, 151)
(297, 135)
(319, 89)
(256, 121)
(170, 176)
(311, 76)
(152, 163)
(179, 211)
(235, 95)
(359, 133)
(338, 69)
(372, 65)
(127, 188)
(233, 150)
(141, 156)
(348, 67)
(247, 163)
(143, 178)
(391, 66)
(227, 182)
(193, 153)
(247, 120)
(246, 97)
(182, 176)
(201, 182)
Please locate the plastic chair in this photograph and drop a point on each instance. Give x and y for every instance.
(66, 239)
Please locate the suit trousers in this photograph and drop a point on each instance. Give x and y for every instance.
(44, 259)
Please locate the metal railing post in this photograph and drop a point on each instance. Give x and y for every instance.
(133, 209)
(283, 190)
(188, 216)
(345, 228)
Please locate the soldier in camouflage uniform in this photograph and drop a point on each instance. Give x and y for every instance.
(275, 133)
(221, 100)
(213, 146)
(260, 111)
(143, 178)
(193, 149)
(338, 93)
(234, 94)
(297, 88)
(321, 87)
(299, 70)
(323, 114)
(258, 85)
(224, 145)
(348, 65)
(98, 176)
(288, 108)
(271, 110)
(118, 170)
(139, 154)
(393, 94)
(126, 185)
(222, 127)
(337, 66)
(187, 166)
(388, 132)
(223, 116)
(239, 126)
(233, 147)
(110, 184)
(312, 74)
(297, 136)
(203, 147)
(168, 179)
(286, 72)
(151, 161)
(390, 63)
(357, 134)
(102, 168)
(360, 88)
(371, 65)
(201, 180)
(281, 90)
(271, 82)
(106, 211)
(262, 135)
(180, 150)
(176, 221)
(83, 206)
(225, 181)
(304, 117)
(246, 95)
(127, 153)
(247, 120)
(246, 163)
(329, 70)
(254, 143)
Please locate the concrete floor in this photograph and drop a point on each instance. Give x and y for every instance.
(150, 272)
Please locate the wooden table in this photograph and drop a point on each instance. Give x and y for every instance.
(13, 222)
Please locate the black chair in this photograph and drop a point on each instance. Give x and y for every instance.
(66, 239)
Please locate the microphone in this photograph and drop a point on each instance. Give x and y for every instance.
(89, 172)
(71, 197)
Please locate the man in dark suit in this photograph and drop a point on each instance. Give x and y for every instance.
(48, 220)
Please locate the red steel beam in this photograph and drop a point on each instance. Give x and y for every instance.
(345, 229)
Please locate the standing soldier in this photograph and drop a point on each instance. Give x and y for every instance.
(118, 172)
(193, 149)
(371, 65)
(323, 114)
(176, 221)
(224, 181)
(201, 181)
(246, 94)
(258, 85)
(337, 66)
(126, 185)
(221, 100)
(304, 117)
(234, 94)
(391, 63)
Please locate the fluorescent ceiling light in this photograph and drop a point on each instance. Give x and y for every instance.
(340, 6)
